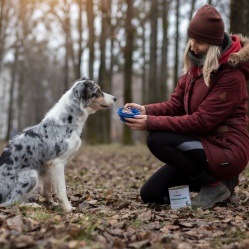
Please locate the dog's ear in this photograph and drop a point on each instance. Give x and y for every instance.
(84, 78)
(87, 90)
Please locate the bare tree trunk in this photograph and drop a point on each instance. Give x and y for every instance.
(105, 117)
(1, 31)
(176, 42)
(239, 19)
(4, 25)
(112, 40)
(20, 96)
(67, 48)
(164, 52)
(91, 39)
(77, 60)
(11, 92)
(101, 121)
(63, 15)
(145, 87)
(103, 38)
(106, 33)
(127, 135)
(191, 13)
(92, 122)
(153, 82)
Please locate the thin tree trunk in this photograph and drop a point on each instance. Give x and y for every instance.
(164, 52)
(11, 92)
(105, 124)
(66, 65)
(239, 19)
(91, 39)
(127, 135)
(1, 32)
(191, 12)
(93, 120)
(67, 47)
(101, 121)
(153, 82)
(145, 86)
(77, 60)
(20, 97)
(176, 43)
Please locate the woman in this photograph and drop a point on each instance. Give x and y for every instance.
(201, 132)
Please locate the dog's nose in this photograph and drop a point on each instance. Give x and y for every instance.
(114, 98)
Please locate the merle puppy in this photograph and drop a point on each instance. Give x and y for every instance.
(40, 153)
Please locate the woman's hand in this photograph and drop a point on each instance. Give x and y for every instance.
(136, 106)
(139, 122)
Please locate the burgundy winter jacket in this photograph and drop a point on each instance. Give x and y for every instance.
(216, 114)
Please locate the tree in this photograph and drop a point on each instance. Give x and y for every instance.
(77, 53)
(6, 12)
(104, 79)
(164, 51)
(61, 10)
(128, 50)
(191, 12)
(92, 123)
(102, 120)
(239, 19)
(91, 37)
(153, 82)
(176, 66)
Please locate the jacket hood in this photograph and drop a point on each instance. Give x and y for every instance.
(243, 55)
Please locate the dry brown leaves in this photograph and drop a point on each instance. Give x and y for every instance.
(103, 184)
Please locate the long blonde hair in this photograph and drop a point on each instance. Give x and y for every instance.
(211, 63)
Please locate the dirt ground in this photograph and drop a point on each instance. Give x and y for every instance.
(103, 184)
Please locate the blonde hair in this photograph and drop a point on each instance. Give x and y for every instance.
(211, 63)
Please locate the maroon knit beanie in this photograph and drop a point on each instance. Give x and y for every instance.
(207, 26)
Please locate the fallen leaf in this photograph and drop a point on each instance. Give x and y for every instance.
(139, 244)
(15, 223)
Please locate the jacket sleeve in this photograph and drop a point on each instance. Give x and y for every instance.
(172, 107)
(224, 98)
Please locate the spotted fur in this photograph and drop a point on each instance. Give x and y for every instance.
(40, 153)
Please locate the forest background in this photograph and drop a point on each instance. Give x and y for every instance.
(132, 48)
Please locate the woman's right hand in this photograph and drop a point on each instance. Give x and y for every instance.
(136, 106)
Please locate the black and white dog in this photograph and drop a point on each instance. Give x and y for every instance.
(40, 153)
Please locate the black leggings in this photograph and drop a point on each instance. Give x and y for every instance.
(183, 156)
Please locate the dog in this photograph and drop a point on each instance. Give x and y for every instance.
(40, 153)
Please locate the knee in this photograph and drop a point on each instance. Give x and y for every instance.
(147, 193)
(145, 197)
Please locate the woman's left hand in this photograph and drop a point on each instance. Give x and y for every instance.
(139, 122)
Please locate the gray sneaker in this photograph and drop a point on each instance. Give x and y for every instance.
(232, 183)
(210, 195)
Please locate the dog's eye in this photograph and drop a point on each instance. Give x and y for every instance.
(97, 92)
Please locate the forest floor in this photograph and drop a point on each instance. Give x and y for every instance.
(103, 183)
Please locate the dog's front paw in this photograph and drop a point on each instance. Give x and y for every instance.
(69, 209)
